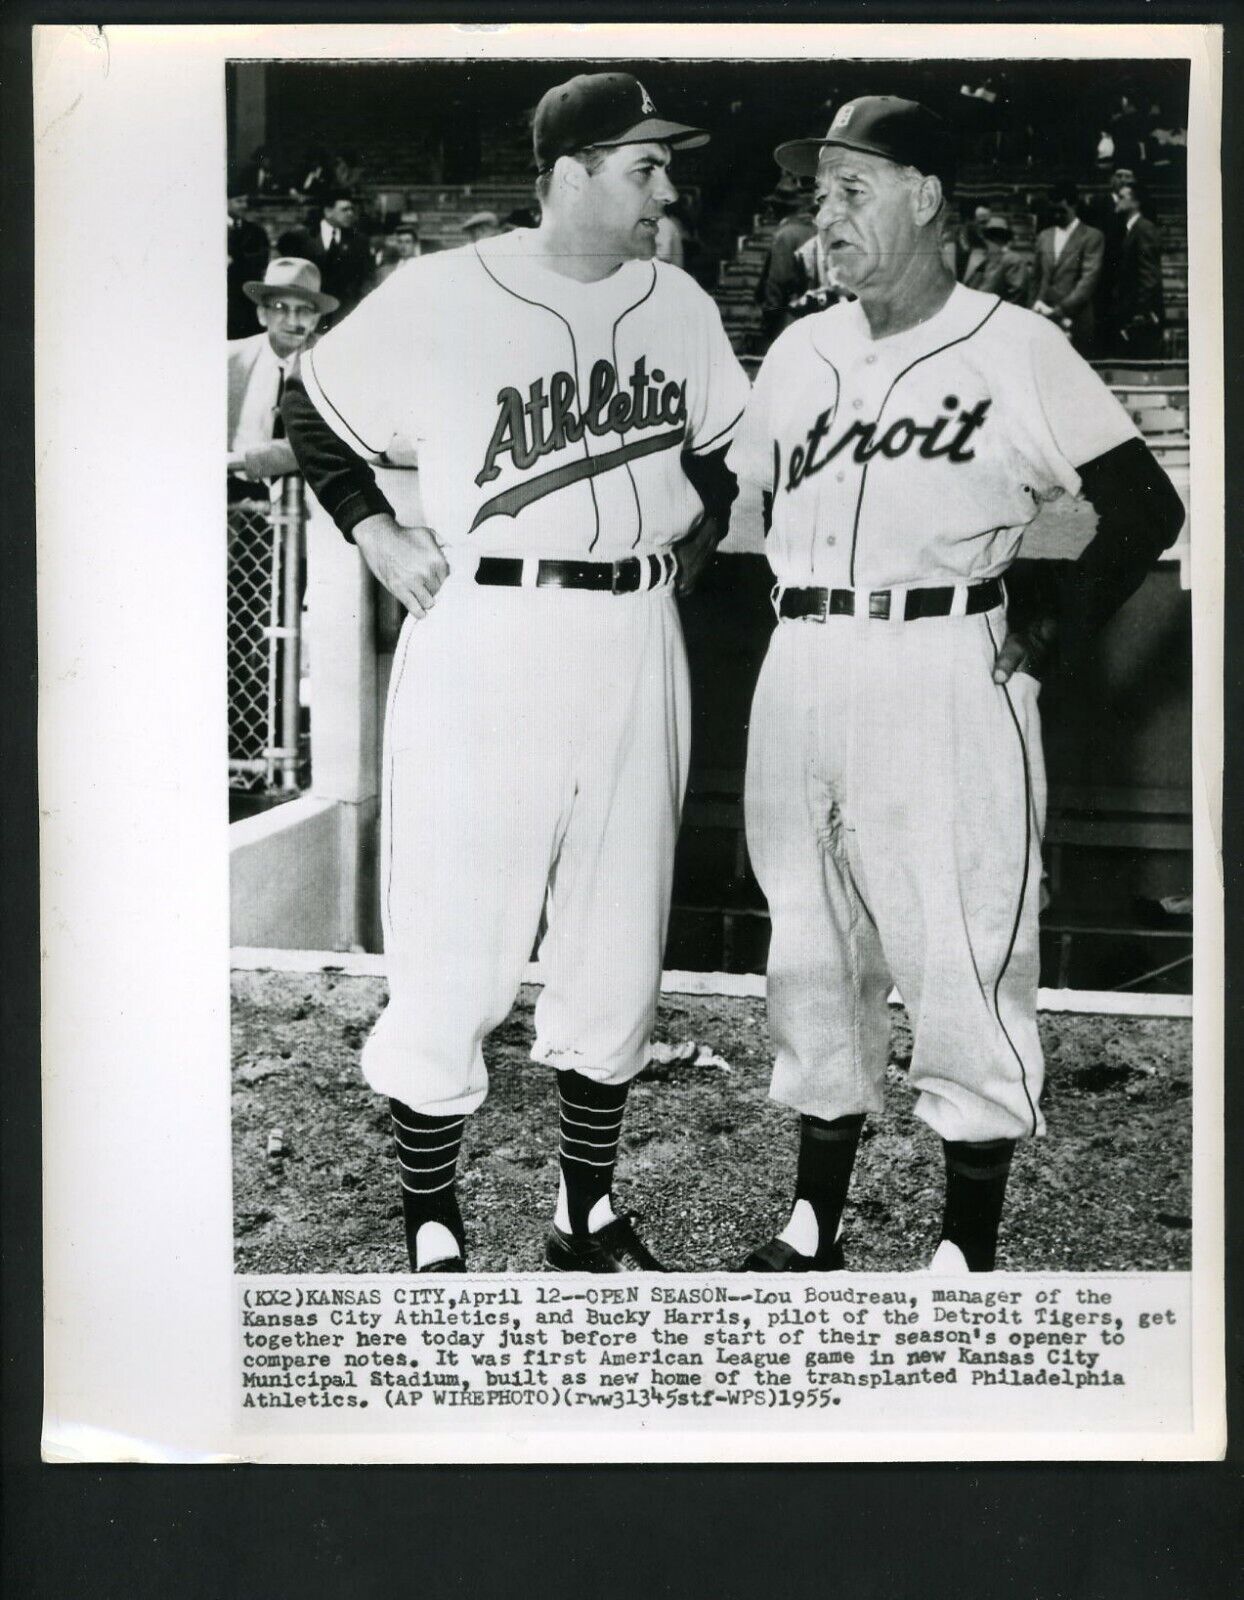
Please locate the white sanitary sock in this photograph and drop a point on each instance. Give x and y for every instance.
(434, 1242)
(600, 1216)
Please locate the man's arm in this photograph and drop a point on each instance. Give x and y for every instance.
(407, 561)
(1139, 515)
(275, 459)
(340, 480)
(717, 487)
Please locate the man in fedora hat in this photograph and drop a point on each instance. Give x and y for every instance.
(897, 446)
(481, 225)
(289, 304)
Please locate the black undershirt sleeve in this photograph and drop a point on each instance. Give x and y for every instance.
(713, 481)
(1139, 513)
(340, 480)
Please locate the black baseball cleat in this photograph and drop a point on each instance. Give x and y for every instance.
(616, 1248)
(778, 1256)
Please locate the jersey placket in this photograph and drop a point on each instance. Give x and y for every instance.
(866, 388)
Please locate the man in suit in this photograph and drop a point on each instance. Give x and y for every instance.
(403, 244)
(1069, 267)
(781, 278)
(1137, 312)
(999, 269)
(248, 256)
(289, 305)
(341, 254)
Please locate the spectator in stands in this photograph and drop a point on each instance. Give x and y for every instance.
(483, 225)
(671, 237)
(317, 176)
(248, 256)
(1137, 312)
(969, 243)
(342, 255)
(348, 171)
(259, 176)
(403, 244)
(1125, 130)
(1000, 270)
(289, 306)
(780, 278)
(521, 217)
(817, 288)
(1166, 146)
(1070, 256)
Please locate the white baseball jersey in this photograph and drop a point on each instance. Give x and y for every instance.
(548, 415)
(918, 459)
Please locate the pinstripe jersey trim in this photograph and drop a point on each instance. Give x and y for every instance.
(364, 448)
(1023, 884)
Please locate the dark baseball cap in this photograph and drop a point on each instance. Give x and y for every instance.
(603, 108)
(879, 125)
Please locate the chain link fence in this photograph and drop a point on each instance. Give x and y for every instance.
(269, 752)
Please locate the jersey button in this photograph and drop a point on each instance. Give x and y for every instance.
(857, 405)
(870, 360)
(831, 538)
(842, 477)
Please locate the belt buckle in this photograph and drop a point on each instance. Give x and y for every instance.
(879, 604)
(615, 584)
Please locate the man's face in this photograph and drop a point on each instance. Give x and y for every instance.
(1125, 201)
(340, 214)
(866, 213)
(404, 245)
(290, 320)
(237, 205)
(619, 205)
(1065, 212)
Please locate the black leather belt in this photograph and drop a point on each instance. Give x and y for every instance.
(817, 604)
(614, 577)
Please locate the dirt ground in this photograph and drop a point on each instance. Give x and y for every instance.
(707, 1159)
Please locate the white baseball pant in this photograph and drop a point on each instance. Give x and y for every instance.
(895, 803)
(536, 742)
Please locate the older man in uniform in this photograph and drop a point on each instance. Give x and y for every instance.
(899, 444)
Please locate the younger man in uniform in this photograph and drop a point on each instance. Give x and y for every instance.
(571, 400)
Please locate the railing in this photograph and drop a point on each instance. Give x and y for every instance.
(265, 583)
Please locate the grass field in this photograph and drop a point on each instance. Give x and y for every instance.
(707, 1158)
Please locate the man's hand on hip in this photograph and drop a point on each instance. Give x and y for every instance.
(696, 551)
(407, 561)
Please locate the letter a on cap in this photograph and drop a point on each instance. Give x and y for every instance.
(646, 105)
(843, 117)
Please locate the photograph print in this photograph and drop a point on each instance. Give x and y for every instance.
(710, 678)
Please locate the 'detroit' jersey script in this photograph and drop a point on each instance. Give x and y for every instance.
(919, 458)
(548, 415)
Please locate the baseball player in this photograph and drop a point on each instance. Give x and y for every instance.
(899, 444)
(571, 400)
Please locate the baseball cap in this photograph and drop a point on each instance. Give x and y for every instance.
(290, 275)
(603, 108)
(880, 125)
(482, 219)
(996, 224)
